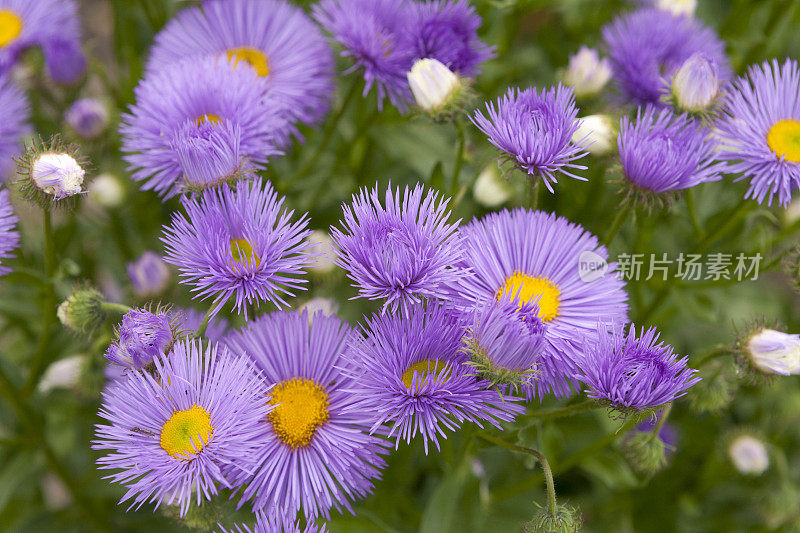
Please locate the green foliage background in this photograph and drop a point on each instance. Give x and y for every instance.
(469, 486)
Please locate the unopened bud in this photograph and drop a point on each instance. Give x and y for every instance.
(773, 352)
(597, 133)
(645, 453)
(587, 73)
(678, 7)
(106, 191)
(695, 85)
(749, 455)
(433, 85)
(566, 519)
(82, 311)
(88, 117)
(491, 189)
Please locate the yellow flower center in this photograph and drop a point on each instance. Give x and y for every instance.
(211, 118)
(425, 368)
(301, 406)
(10, 27)
(243, 254)
(784, 139)
(528, 289)
(252, 56)
(186, 432)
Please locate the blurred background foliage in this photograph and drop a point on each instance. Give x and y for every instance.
(47, 478)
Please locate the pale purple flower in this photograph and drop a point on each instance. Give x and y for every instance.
(149, 275)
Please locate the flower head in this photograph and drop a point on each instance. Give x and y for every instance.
(648, 46)
(434, 86)
(412, 375)
(170, 435)
(9, 236)
(317, 452)
(51, 174)
(695, 86)
(15, 110)
(142, 337)
(773, 352)
(632, 372)
(88, 117)
(400, 251)
(149, 274)
(597, 133)
(82, 311)
(107, 191)
(587, 73)
(759, 131)
(536, 257)
(535, 129)
(749, 455)
(238, 243)
(283, 46)
(207, 107)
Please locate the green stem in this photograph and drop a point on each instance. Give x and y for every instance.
(698, 231)
(738, 212)
(111, 307)
(569, 410)
(534, 195)
(548, 473)
(661, 420)
(712, 354)
(201, 329)
(459, 152)
(619, 220)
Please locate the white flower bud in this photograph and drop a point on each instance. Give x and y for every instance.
(326, 306)
(749, 455)
(433, 84)
(57, 174)
(490, 189)
(106, 191)
(322, 245)
(64, 373)
(774, 352)
(597, 133)
(696, 83)
(678, 7)
(587, 73)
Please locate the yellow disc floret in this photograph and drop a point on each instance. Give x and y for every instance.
(252, 56)
(301, 406)
(186, 432)
(243, 254)
(425, 368)
(10, 27)
(784, 139)
(211, 118)
(540, 290)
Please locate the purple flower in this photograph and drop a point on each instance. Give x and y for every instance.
(647, 46)
(52, 25)
(201, 94)
(15, 110)
(668, 433)
(759, 131)
(662, 151)
(535, 129)
(88, 117)
(271, 524)
(210, 154)
(411, 373)
(317, 452)
(149, 275)
(538, 257)
(447, 30)
(172, 434)
(631, 372)
(374, 35)
(239, 243)
(400, 252)
(189, 320)
(9, 236)
(277, 39)
(142, 337)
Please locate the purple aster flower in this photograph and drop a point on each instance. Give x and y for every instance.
(189, 320)
(284, 47)
(447, 30)
(209, 154)
(9, 236)
(535, 129)
(317, 453)
(239, 242)
(411, 374)
(647, 46)
(537, 257)
(663, 152)
(172, 434)
(149, 275)
(88, 117)
(52, 25)
(631, 372)
(272, 524)
(400, 252)
(668, 433)
(204, 94)
(759, 131)
(142, 337)
(14, 110)
(374, 35)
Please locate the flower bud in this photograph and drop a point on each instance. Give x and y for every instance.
(326, 306)
(149, 275)
(695, 85)
(678, 7)
(749, 455)
(64, 373)
(597, 133)
(491, 189)
(50, 173)
(142, 337)
(106, 191)
(322, 243)
(587, 73)
(88, 117)
(567, 519)
(645, 453)
(773, 352)
(82, 311)
(434, 85)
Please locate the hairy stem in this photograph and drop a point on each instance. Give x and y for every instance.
(616, 225)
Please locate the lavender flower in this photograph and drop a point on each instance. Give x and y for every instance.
(400, 252)
(631, 372)
(536, 257)
(648, 46)
(412, 375)
(587, 73)
(317, 452)
(64, 59)
(188, 99)
(695, 86)
(14, 109)
(9, 236)
(663, 152)
(142, 337)
(535, 129)
(171, 434)
(149, 275)
(759, 131)
(267, 523)
(88, 117)
(238, 243)
(284, 47)
(210, 154)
